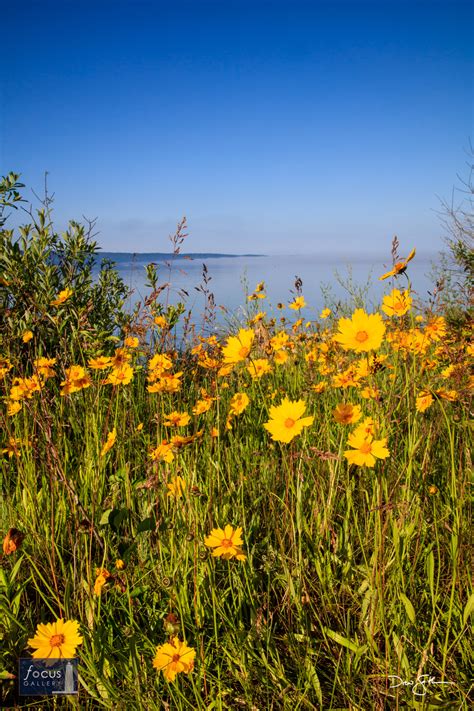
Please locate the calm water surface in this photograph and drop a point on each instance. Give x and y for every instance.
(231, 278)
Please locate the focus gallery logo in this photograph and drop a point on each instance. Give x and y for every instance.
(47, 677)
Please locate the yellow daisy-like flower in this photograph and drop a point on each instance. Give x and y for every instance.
(43, 367)
(346, 414)
(365, 450)
(5, 366)
(163, 453)
(286, 420)
(25, 387)
(280, 357)
(177, 419)
(170, 382)
(27, 336)
(77, 378)
(226, 542)
(100, 363)
(61, 297)
(447, 372)
(202, 405)
(297, 303)
(365, 428)
(13, 446)
(449, 395)
(131, 342)
(399, 267)
(258, 367)
(176, 487)
(325, 313)
(121, 375)
(13, 408)
(159, 364)
(102, 575)
(12, 541)
(56, 640)
(238, 403)
(178, 441)
(258, 317)
(435, 329)
(279, 340)
(174, 657)
(120, 358)
(362, 332)
(424, 400)
(111, 437)
(397, 303)
(238, 347)
(160, 321)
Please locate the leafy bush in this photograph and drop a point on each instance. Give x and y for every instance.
(455, 272)
(47, 283)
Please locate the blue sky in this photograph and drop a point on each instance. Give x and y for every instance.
(276, 127)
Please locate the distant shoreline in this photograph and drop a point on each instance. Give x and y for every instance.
(171, 255)
(325, 258)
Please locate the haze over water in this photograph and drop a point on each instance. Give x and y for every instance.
(233, 277)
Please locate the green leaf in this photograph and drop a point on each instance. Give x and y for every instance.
(430, 572)
(348, 643)
(468, 610)
(313, 679)
(409, 609)
(104, 520)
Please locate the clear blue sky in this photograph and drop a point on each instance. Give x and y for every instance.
(276, 127)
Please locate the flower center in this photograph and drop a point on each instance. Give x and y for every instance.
(361, 336)
(244, 351)
(175, 658)
(56, 640)
(366, 448)
(289, 422)
(226, 543)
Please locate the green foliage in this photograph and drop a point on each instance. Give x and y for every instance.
(36, 264)
(455, 273)
(9, 194)
(351, 574)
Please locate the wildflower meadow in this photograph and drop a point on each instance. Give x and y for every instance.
(269, 514)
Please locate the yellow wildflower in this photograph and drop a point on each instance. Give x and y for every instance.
(176, 487)
(399, 267)
(56, 640)
(111, 437)
(61, 297)
(361, 332)
(226, 542)
(238, 403)
(238, 347)
(174, 657)
(346, 414)
(297, 303)
(286, 421)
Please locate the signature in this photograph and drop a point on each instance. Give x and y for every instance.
(419, 687)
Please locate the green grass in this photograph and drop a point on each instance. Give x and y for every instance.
(352, 574)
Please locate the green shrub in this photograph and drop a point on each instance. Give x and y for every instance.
(36, 265)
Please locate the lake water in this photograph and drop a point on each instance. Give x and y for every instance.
(232, 277)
